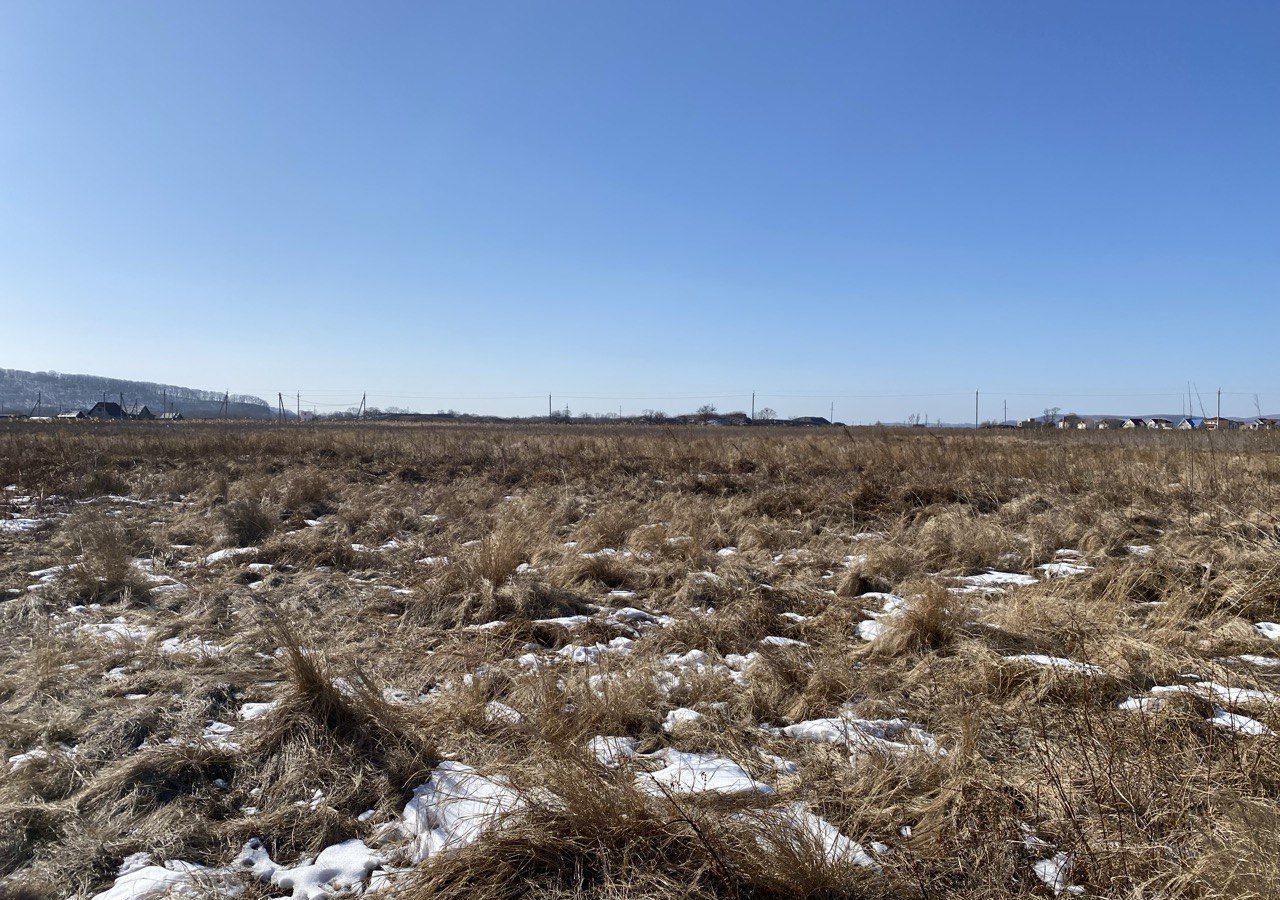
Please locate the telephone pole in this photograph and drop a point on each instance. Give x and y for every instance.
(975, 409)
(548, 407)
(753, 406)
(1005, 419)
(1219, 415)
(832, 416)
(297, 400)
(363, 397)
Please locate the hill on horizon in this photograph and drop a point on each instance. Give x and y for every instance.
(55, 392)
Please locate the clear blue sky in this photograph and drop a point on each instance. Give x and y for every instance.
(647, 200)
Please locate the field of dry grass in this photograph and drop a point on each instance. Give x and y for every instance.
(648, 663)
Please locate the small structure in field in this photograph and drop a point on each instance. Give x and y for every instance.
(1220, 423)
(1190, 423)
(143, 413)
(1159, 424)
(105, 409)
(74, 414)
(170, 417)
(1262, 423)
(1133, 423)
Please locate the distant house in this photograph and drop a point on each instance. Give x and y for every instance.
(77, 414)
(1160, 424)
(1110, 422)
(1071, 420)
(143, 413)
(1189, 423)
(105, 409)
(170, 417)
(1133, 423)
(1031, 423)
(1262, 424)
(1220, 423)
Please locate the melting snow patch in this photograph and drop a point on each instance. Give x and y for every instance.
(14, 526)
(992, 578)
(680, 718)
(230, 553)
(1269, 630)
(611, 751)
(1237, 723)
(191, 647)
(251, 711)
(1053, 872)
(455, 807)
(338, 867)
(808, 831)
(697, 773)
(1062, 569)
(862, 735)
(116, 631)
(498, 713)
(142, 882)
(1056, 662)
(775, 641)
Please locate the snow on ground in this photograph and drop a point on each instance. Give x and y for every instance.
(611, 751)
(697, 773)
(454, 807)
(336, 868)
(1269, 630)
(893, 737)
(1056, 662)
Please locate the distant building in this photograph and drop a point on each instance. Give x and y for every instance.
(1220, 423)
(1190, 423)
(170, 417)
(1110, 422)
(1071, 420)
(105, 409)
(77, 414)
(1031, 423)
(1133, 423)
(143, 413)
(1159, 424)
(1262, 424)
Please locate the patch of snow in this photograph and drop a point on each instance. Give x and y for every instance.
(454, 807)
(230, 553)
(1056, 662)
(680, 718)
(1269, 630)
(335, 869)
(697, 773)
(776, 641)
(610, 751)
(251, 711)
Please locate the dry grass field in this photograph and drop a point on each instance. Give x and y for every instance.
(637, 663)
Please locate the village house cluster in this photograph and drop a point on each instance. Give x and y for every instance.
(1185, 423)
(110, 411)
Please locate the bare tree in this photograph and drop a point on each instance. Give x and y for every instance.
(767, 414)
(705, 412)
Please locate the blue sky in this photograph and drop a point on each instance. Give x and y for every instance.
(648, 203)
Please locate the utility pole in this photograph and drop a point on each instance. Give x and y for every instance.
(298, 401)
(122, 401)
(753, 406)
(548, 407)
(975, 409)
(363, 397)
(280, 414)
(1219, 415)
(39, 399)
(832, 416)
(1005, 419)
